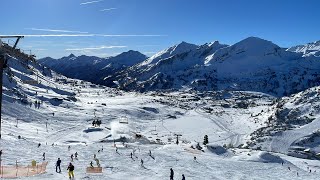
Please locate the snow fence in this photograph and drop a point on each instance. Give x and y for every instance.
(22, 171)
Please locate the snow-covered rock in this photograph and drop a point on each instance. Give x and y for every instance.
(310, 49)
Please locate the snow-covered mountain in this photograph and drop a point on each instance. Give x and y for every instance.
(250, 133)
(91, 68)
(310, 49)
(252, 64)
(292, 125)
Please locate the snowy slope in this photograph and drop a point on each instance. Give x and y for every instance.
(310, 49)
(293, 126)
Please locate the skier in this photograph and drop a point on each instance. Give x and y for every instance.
(39, 145)
(94, 156)
(71, 157)
(71, 169)
(141, 162)
(44, 156)
(183, 178)
(76, 155)
(91, 164)
(94, 123)
(171, 174)
(150, 153)
(195, 158)
(58, 166)
(131, 155)
(69, 147)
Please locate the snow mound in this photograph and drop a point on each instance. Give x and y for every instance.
(216, 149)
(92, 129)
(264, 157)
(118, 129)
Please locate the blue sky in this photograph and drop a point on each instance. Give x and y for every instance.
(154, 24)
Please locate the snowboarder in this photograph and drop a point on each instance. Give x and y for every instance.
(183, 178)
(44, 156)
(171, 174)
(71, 169)
(58, 166)
(76, 155)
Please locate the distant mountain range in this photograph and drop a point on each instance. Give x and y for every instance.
(91, 68)
(252, 64)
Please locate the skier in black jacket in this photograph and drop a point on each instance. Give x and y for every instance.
(58, 166)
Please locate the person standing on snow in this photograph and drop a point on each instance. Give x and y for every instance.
(58, 166)
(44, 156)
(71, 157)
(76, 155)
(71, 169)
(183, 178)
(171, 174)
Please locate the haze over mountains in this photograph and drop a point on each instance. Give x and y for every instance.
(252, 64)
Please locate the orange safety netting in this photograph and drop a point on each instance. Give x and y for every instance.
(94, 169)
(22, 171)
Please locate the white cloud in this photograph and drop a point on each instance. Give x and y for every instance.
(56, 30)
(95, 48)
(90, 2)
(131, 35)
(88, 35)
(150, 52)
(108, 9)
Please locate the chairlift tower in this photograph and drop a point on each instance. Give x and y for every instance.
(3, 53)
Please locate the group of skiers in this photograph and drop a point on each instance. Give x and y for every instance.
(96, 123)
(71, 166)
